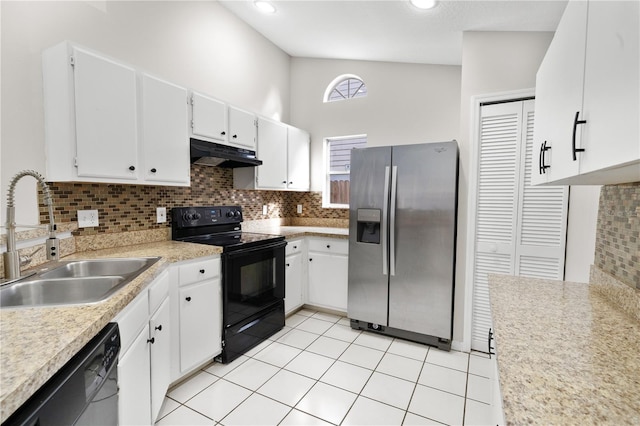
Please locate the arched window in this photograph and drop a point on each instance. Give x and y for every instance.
(346, 86)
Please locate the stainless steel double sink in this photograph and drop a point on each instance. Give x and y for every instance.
(74, 282)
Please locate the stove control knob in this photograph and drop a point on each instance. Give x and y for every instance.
(187, 216)
(236, 214)
(229, 213)
(196, 216)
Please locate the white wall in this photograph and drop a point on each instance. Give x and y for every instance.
(581, 232)
(405, 104)
(196, 44)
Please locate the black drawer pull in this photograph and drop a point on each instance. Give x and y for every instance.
(152, 340)
(153, 170)
(543, 148)
(573, 140)
(188, 298)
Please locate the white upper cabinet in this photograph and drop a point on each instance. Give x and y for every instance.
(104, 125)
(587, 103)
(208, 118)
(105, 116)
(164, 137)
(298, 156)
(284, 152)
(242, 128)
(272, 150)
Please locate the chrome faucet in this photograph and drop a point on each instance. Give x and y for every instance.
(12, 261)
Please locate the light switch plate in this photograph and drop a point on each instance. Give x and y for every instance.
(161, 214)
(299, 208)
(88, 218)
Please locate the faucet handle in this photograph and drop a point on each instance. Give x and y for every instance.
(26, 259)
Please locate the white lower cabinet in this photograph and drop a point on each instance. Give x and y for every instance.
(144, 360)
(199, 309)
(328, 264)
(294, 276)
(200, 325)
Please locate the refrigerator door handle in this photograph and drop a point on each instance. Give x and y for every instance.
(392, 222)
(385, 214)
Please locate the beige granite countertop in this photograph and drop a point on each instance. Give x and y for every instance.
(566, 354)
(37, 342)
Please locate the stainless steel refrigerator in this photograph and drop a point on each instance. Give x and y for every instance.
(402, 241)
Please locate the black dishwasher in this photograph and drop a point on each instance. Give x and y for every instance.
(83, 392)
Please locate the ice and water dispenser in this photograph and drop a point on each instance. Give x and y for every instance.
(369, 226)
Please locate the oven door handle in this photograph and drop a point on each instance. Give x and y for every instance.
(262, 247)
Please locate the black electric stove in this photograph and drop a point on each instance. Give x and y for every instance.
(253, 273)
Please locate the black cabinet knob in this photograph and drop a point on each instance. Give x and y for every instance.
(152, 340)
(188, 298)
(310, 259)
(132, 168)
(153, 170)
(202, 271)
(295, 247)
(223, 133)
(287, 264)
(284, 181)
(235, 136)
(328, 246)
(159, 328)
(290, 183)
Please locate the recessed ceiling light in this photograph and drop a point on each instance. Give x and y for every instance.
(265, 6)
(424, 4)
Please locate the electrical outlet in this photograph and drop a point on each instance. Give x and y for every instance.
(88, 218)
(299, 208)
(161, 214)
(264, 210)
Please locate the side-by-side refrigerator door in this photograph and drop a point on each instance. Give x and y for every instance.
(368, 234)
(422, 238)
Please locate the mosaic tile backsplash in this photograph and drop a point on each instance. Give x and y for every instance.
(124, 208)
(618, 233)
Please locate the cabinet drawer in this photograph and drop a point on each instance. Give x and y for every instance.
(335, 246)
(294, 246)
(158, 291)
(198, 271)
(132, 319)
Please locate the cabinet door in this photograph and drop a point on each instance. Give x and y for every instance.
(272, 149)
(134, 376)
(293, 282)
(105, 110)
(209, 117)
(611, 86)
(242, 128)
(160, 332)
(328, 280)
(559, 94)
(200, 323)
(164, 135)
(298, 159)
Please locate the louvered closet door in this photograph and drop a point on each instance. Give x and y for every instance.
(496, 207)
(520, 229)
(542, 219)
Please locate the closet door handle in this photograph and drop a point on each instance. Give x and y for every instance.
(573, 140)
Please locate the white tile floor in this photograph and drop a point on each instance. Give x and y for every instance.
(318, 371)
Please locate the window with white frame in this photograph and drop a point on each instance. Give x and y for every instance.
(346, 86)
(337, 154)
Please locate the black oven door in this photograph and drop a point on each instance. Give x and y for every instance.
(253, 281)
